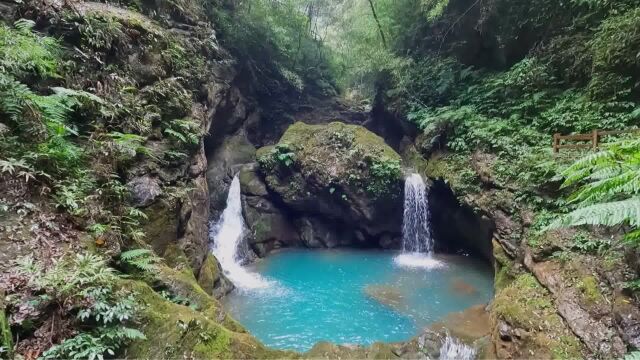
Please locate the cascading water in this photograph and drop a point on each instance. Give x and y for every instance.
(416, 235)
(228, 246)
(417, 243)
(453, 349)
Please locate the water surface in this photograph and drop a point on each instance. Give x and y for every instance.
(354, 297)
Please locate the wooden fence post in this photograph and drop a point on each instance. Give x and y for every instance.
(556, 142)
(595, 140)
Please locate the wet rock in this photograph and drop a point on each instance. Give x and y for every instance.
(212, 280)
(161, 226)
(224, 163)
(627, 318)
(144, 190)
(389, 241)
(595, 333)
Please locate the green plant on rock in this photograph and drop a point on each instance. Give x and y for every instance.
(101, 32)
(23, 52)
(187, 131)
(385, 173)
(87, 287)
(142, 259)
(281, 154)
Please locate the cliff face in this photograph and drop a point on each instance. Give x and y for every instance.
(160, 82)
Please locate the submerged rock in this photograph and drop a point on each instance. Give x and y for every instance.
(385, 294)
(341, 173)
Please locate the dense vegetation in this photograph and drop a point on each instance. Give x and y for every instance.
(485, 83)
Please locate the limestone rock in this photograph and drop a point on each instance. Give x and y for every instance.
(341, 173)
(144, 190)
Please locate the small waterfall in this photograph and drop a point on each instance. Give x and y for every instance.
(417, 243)
(454, 349)
(228, 245)
(416, 235)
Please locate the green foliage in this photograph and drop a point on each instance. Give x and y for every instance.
(615, 62)
(610, 194)
(281, 42)
(101, 32)
(187, 131)
(633, 355)
(24, 53)
(86, 286)
(384, 173)
(281, 154)
(142, 259)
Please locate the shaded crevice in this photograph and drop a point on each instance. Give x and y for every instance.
(457, 228)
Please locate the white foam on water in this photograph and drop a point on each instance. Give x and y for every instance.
(454, 349)
(418, 260)
(228, 245)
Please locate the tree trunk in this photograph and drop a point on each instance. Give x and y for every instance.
(375, 16)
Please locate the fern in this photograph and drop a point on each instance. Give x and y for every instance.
(142, 259)
(610, 194)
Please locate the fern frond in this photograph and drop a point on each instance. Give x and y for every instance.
(143, 259)
(135, 253)
(607, 214)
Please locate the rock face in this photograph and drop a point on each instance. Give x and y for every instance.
(269, 227)
(336, 176)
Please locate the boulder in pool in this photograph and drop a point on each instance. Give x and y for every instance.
(339, 172)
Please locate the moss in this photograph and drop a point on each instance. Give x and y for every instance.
(333, 155)
(209, 274)
(526, 304)
(456, 170)
(504, 272)
(179, 331)
(588, 286)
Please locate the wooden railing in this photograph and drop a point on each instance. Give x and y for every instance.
(593, 139)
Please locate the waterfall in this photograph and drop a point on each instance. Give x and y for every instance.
(417, 243)
(416, 235)
(453, 349)
(228, 245)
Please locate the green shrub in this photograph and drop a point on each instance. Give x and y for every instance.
(24, 53)
(87, 287)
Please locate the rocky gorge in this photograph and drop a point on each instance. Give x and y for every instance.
(315, 171)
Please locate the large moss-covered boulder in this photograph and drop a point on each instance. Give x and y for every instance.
(341, 173)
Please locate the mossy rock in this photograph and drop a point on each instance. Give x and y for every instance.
(177, 331)
(528, 307)
(211, 278)
(338, 171)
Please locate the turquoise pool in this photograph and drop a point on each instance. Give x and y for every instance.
(354, 296)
